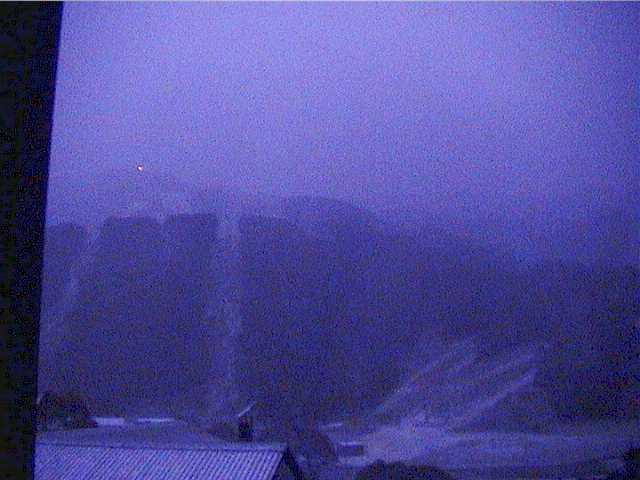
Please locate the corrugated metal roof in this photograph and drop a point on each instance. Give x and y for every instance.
(62, 461)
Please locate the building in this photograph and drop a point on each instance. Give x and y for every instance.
(72, 460)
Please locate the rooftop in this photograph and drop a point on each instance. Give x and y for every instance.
(71, 458)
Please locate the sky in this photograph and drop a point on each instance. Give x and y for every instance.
(519, 121)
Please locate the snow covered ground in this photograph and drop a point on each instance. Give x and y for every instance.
(488, 449)
(426, 420)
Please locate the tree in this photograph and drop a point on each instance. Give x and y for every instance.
(65, 411)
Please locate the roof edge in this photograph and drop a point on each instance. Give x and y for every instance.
(239, 447)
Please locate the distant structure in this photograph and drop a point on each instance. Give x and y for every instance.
(224, 461)
(239, 428)
(245, 424)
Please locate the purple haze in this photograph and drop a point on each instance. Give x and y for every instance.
(517, 123)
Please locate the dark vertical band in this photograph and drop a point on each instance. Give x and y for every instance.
(28, 58)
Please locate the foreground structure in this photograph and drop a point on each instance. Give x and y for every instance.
(60, 460)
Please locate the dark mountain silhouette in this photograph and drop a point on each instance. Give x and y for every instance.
(135, 336)
(334, 301)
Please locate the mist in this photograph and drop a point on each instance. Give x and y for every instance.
(517, 125)
(405, 232)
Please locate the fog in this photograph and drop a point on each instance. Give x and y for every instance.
(517, 124)
(403, 231)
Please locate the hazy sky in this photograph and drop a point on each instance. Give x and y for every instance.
(520, 116)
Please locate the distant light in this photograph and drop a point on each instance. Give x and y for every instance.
(139, 168)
